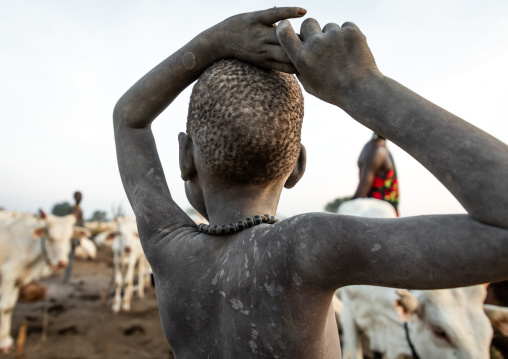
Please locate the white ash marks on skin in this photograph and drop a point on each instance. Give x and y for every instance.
(226, 257)
(189, 60)
(206, 274)
(297, 280)
(223, 294)
(273, 289)
(246, 262)
(142, 212)
(150, 172)
(236, 304)
(217, 276)
(376, 247)
(256, 251)
(253, 346)
(215, 279)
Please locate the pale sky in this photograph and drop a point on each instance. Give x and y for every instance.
(64, 64)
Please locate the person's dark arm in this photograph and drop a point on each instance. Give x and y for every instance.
(336, 65)
(249, 37)
(371, 162)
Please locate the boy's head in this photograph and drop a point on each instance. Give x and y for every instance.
(246, 122)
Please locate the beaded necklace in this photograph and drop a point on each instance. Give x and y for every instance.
(238, 226)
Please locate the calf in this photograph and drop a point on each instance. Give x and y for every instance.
(127, 253)
(28, 247)
(86, 249)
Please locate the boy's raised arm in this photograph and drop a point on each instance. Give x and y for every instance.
(336, 65)
(249, 37)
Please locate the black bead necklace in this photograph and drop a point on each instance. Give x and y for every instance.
(238, 226)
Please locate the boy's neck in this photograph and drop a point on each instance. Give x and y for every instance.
(230, 203)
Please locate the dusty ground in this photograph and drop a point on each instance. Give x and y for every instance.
(80, 323)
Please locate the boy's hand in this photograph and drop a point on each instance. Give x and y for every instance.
(330, 63)
(252, 38)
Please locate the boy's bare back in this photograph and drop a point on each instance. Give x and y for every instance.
(266, 291)
(232, 298)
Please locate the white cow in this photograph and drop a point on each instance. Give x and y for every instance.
(127, 254)
(86, 249)
(28, 247)
(448, 323)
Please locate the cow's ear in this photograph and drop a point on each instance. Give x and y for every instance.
(498, 317)
(81, 232)
(406, 305)
(42, 214)
(111, 235)
(39, 232)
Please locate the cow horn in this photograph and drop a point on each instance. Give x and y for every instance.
(406, 305)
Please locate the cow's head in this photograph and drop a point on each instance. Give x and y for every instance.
(447, 323)
(56, 234)
(126, 237)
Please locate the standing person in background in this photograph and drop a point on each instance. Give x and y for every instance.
(76, 209)
(78, 212)
(378, 176)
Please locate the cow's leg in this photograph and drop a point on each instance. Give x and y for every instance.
(129, 278)
(352, 346)
(9, 297)
(118, 283)
(141, 276)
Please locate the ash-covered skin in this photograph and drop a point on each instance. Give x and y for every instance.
(189, 60)
(266, 291)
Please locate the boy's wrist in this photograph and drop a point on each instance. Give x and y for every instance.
(358, 91)
(209, 42)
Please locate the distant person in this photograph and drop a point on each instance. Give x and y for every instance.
(78, 212)
(76, 209)
(378, 176)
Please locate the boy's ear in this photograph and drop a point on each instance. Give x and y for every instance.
(187, 166)
(298, 170)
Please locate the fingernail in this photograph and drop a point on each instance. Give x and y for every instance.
(302, 11)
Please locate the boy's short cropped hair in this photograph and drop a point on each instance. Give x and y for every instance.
(246, 121)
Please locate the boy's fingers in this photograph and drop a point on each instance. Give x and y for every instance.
(282, 67)
(288, 39)
(331, 27)
(271, 37)
(349, 24)
(277, 53)
(309, 28)
(276, 14)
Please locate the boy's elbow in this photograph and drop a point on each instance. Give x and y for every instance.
(119, 113)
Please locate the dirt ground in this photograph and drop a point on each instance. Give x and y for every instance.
(80, 324)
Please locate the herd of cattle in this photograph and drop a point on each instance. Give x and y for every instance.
(374, 321)
(32, 247)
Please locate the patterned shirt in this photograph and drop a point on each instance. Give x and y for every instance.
(386, 189)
